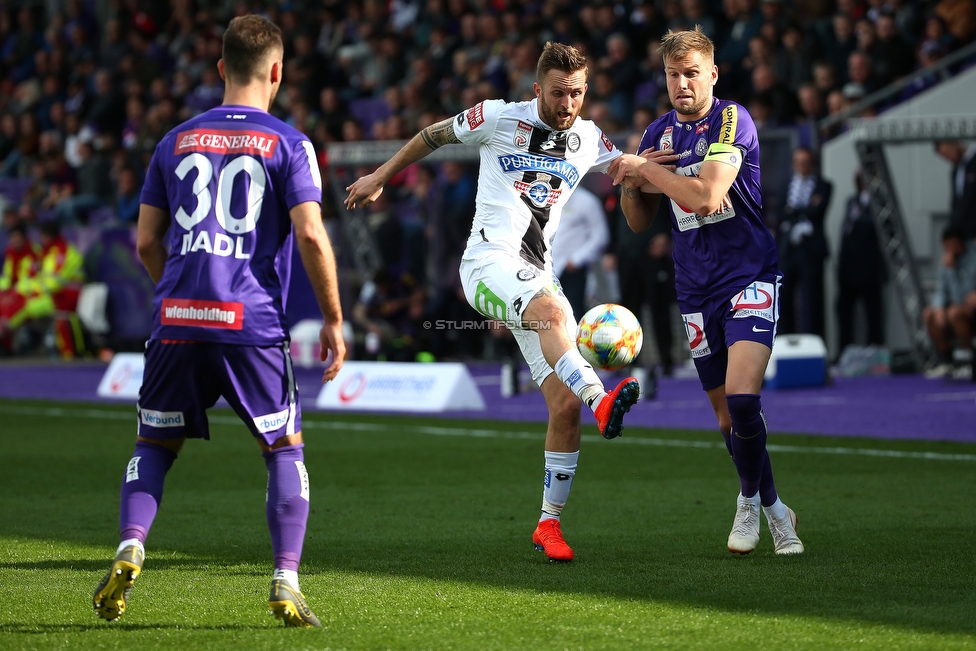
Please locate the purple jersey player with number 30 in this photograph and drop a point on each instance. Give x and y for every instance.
(704, 157)
(230, 191)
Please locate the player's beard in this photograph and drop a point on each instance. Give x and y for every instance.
(695, 108)
(551, 116)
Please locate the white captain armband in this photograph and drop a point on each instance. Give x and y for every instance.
(723, 153)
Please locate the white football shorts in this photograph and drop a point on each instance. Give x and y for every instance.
(500, 286)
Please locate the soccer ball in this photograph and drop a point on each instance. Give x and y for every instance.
(609, 336)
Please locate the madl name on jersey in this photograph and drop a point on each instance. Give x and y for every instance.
(535, 163)
(222, 245)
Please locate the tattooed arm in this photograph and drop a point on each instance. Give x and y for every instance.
(367, 188)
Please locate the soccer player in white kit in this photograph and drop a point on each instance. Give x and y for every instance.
(533, 155)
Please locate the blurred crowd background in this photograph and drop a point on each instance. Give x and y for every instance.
(88, 87)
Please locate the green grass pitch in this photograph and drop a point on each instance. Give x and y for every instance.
(419, 538)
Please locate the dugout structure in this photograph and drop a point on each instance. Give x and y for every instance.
(871, 136)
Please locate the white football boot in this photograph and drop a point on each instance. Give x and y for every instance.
(745, 527)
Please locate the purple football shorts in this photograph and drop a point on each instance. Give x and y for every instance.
(714, 323)
(182, 380)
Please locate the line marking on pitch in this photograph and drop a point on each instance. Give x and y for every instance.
(490, 433)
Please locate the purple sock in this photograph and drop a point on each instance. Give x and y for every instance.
(767, 487)
(287, 506)
(142, 489)
(748, 440)
(728, 443)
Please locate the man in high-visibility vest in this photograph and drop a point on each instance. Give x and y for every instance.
(54, 287)
(19, 261)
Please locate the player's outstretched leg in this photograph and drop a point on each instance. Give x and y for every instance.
(745, 528)
(782, 524)
(112, 593)
(287, 603)
(610, 412)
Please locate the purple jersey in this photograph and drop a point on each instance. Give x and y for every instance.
(228, 178)
(727, 250)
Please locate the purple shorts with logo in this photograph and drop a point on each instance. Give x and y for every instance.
(714, 323)
(182, 380)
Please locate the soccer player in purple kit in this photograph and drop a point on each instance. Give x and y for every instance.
(235, 188)
(704, 157)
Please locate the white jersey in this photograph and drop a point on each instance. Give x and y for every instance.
(528, 171)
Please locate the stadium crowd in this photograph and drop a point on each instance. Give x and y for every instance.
(89, 88)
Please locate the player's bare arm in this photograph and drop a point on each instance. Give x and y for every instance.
(639, 197)
(152, 227)
(367, 188)
(319, 262)
(705, 194)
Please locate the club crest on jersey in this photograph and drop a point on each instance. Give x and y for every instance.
(523, 132)
(573, 142)
(226, 141)
(475, 116)
(702, 147)
(756, 300)
(666, 141)
(695, 329)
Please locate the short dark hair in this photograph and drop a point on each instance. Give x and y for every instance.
(19, 227)
(51, 228)
(564, 58)
(953, 232)
(247, 42)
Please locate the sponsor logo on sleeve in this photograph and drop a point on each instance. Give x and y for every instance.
(730, 119)
(666, 139)
(695, 329)
(606, 141)
(523, 133)
(226, 141)
(475, 116)
(756, 300)
(223, 315)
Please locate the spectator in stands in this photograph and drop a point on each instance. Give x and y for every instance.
(579, 242)
(860, 71)
(127, 196)
(892, 56)
(107, 112)
(963, 179)
(803, 247)
(949, 316)
(839, 45)
(93, 189)
(861, 270)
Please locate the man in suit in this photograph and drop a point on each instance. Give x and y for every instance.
(963, 160)
(803, 247)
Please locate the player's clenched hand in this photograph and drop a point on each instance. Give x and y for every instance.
(364, 191)
(333, 347)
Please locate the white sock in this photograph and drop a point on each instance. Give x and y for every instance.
(776, 510)
(580, 377)
(129, 542)
(288, 575)
(560, 470)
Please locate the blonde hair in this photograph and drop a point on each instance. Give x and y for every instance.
(564, 58)
(678, 45)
